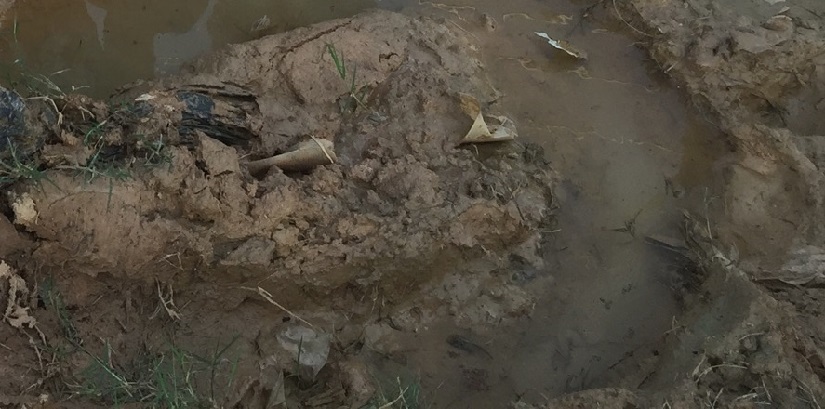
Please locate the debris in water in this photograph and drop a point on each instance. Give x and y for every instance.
(486, 128)
(564, 46)
(671, 244)
(261, 24)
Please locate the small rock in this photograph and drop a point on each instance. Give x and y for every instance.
(308, 347)
(779, 23)
(25, 211)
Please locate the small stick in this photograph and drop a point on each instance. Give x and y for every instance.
(810, 393)
(168, 301)
(711, 368)
(716, 399)
(626, 22)
(267, 296)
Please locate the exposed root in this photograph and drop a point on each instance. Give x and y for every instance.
(618, 14)
(268, 297)
(167, 301)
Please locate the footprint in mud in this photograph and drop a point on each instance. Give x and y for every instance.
(464, 344)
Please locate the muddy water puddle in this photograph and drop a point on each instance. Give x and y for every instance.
(96, 46)
(630, 152)
(631, 155)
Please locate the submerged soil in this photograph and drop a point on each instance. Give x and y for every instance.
(746, 337)
(559, 270)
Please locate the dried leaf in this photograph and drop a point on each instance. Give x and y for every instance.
(485, 128)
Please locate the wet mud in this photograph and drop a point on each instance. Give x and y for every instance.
(652, 238)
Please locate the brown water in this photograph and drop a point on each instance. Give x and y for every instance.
(616, 131)
(612, 127)
(96, 46)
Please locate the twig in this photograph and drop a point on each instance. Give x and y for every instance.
(711, 368)
(713, 404)
(267, 296)
(54, 105)
(755, 334)
(180, 262)
(615, 7)
(94, 172)
(168, 301)
(747, 396)
(37, 352)
(810, 393)
(389, 404)
(699, 365)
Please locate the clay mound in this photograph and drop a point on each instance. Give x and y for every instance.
(402, 199)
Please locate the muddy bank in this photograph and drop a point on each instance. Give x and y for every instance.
(402, 188)
(141, 211)
(758, 68)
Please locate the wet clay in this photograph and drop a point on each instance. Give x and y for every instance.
(409, 240)
(404, 205)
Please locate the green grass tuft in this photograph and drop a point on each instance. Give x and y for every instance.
(349, 78)
(15, 167)
(171, 379)
(398, 395)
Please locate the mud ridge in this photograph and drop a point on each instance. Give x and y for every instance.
(148, 197)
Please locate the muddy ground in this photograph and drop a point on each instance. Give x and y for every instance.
(329, 249)
(746, 338)
(147, 265)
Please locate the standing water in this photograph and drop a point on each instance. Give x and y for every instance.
(631, 154)
(96, 46)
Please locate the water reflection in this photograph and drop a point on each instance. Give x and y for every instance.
(173, 49)
(98, 45)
